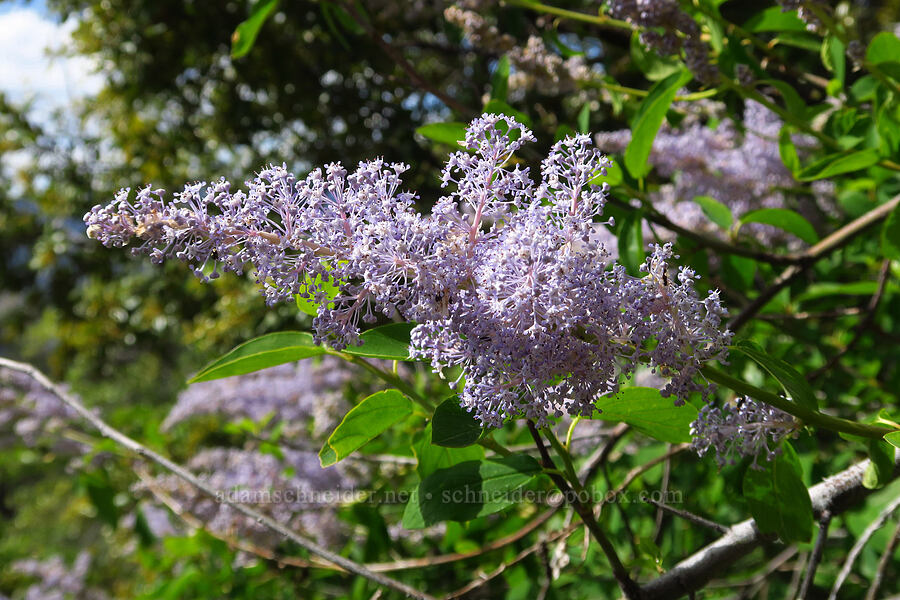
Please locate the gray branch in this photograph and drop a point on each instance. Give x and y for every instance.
(141, 450)
(834, 494)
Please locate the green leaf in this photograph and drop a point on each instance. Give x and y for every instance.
(884, 47)
(715, 211)
(647, 411)
(777, 498)
(450, 133)
(261, 353)
(468, 490)
(101, 493)
(792, 100)
(654, 66)
(498, 107)
(244, 35)
(365, 421)
(500, 79)
(830, 288)
(893, 438)
(430, 458)
(881, 464)
(832, 54)
(648, 120)
(614, 175)
(453, 426)
(890, 235)
(774, 19)
(787, 150)
(631, 243)
(309, 285)
(584, 118)
(785, 219)
(838, 164)
(793, 383)
(390, 342)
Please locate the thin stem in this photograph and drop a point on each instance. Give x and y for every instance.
(626, 583)
(601, 20)
(689, 516)
(386, 376)
(808, 416)
(134, 446)
(816, 557)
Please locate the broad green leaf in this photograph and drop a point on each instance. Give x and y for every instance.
(647, 411)
(365, 421)
(793, 382)
(584, 118)
(261, 353)
(893, 438)
(430, 458)
(390, 342)
(468, 490)
(832, 54)
(244, 35)
(738, 269)
(631, 243)
(648, 119)
(614, 175)
(830, 288)
(450, 133)
(890, 235)
(308, 305)
(654, 66)
(838, 164)
(787, 150)
(785, 219)
(498, 107)
(715, 211)
(101, 493)
(453, 426)
(500, 79)
(884, 48)
(881, 464)
(792, 100)
(774, 19)
(777, 498)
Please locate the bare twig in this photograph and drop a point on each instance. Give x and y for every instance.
(816, 556)
(689, 516)
(626, 583)
(862, 326)
(869, 531)
(835, 494)
(828, 244)
(883, 563)
(123, 440)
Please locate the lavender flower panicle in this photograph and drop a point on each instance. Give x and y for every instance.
(745, 428)
(507, 278)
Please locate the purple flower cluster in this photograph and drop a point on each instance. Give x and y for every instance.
(743, 170)
(31, 414)
(745, 428)
(505, 278)
(668, 30)
(56, 580)
(303, 398)
(295, 491)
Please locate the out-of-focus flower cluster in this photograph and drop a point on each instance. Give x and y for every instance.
(294, 490)
(741, 169)
(668, 30)
(302, 395)
(505, 277)
(744, 428)
(32, 414)
(534, 64)
(56, 580)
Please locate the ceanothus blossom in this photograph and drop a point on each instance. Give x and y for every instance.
(506, 279)
(745, 428)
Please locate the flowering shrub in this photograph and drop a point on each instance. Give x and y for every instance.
(532, 337)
